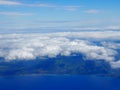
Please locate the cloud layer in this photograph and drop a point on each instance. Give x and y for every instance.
(32, 46)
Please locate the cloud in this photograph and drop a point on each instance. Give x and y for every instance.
(66, 7)
(92, 11)
(115, 64)
(71, 8)
(42, 5)
(31, 46)
(8, 2)
(113, 27)
(15, 13)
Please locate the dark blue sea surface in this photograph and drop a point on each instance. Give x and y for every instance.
(60, 82)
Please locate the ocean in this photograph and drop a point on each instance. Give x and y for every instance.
(59, 82)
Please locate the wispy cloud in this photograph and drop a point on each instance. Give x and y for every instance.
(15, 13)
(92, 11)
(71, 8)
(8, 2)
(113, 27)
(40, 5)
(44, 5)
(64, 7)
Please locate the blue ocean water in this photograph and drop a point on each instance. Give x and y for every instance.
(59, 83)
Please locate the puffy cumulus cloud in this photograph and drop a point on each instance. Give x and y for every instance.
(32, 46)
(115, 64)
(111, 45)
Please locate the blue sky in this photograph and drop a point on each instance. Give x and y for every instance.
(64, 14)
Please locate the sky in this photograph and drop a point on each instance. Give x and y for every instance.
(59, 14)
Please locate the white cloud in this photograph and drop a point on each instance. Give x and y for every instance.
(113, 27)
(31, 46)
(71, 9)
(45, 5)
(64, 7)
(92, 11)
(8, 2)
(111, 45)
(42, 5)
(115, 64)
(15, 13)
